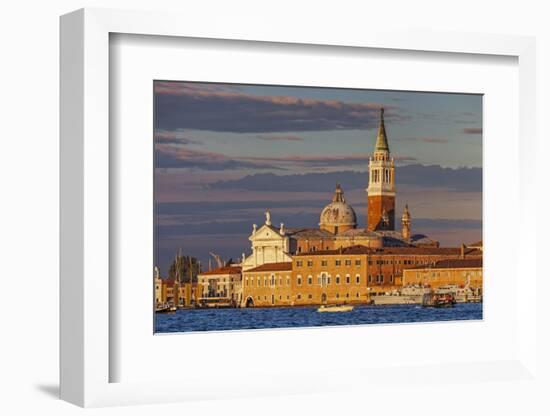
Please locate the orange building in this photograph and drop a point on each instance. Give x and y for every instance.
(332, 276)
(169, 292)
(268, 285)
(467, 272)
(348, 275)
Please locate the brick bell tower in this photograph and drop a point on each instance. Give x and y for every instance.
(381, 190)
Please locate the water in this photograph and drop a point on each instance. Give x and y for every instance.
(186, 320)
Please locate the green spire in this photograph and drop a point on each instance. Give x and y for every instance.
(381, 139)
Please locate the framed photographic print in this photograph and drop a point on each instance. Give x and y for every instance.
(295, 204)
(325, 210)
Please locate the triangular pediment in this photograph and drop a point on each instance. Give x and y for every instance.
(266, 232)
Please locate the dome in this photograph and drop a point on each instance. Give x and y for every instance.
(338, 213)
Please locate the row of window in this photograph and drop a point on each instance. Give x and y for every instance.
(348, 262)
(447, 274)
(379, 278)
(324, 263)
(321, 280)
(382, 175)
(271, 281)
(309, 296)
(326, 280)
(406, 262)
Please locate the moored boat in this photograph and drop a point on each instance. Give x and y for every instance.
(335, 308)
(439, 300)
(165, 308)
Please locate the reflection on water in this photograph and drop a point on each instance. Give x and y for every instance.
(187, 320)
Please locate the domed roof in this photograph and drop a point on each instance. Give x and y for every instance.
(338, 212)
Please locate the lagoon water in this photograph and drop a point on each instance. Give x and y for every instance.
(187, 320)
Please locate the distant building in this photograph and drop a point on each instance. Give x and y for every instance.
(222, 282)
(170, 292)
(268, 285)
(159, 300)
(463, 272)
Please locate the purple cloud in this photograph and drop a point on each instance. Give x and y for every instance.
(283, 138)
(472, 130)
(432, 176)
(434, 140)
(424, 139)
(324, 160)
(181, 105)
(175, 156)
(174, 137)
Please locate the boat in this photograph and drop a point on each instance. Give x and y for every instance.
(408, 295)
(335, 308)
(165, 308)
(439, 300)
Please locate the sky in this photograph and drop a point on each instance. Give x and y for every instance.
(224, 153)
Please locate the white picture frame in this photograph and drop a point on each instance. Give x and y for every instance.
(85, 345)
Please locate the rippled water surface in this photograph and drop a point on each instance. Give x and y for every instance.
(187, 320)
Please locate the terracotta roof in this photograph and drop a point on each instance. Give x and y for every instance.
(298, 233)
(223, 270)
(419, 250)
(171, 282)
(357, 232)
(359, 249)
(305, 233)
(272, 267)
(453, 264)
(347, 250)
